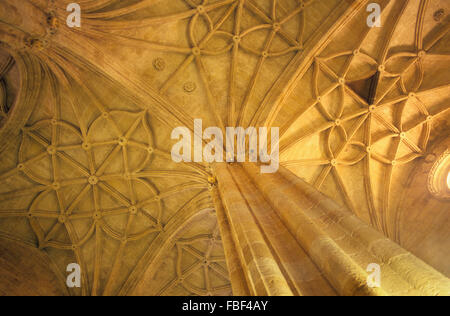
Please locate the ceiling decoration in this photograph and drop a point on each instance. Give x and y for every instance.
(368, 107)
(85, 167)
(205, 263)
(200, 266)
(87, 180)
(224, 54)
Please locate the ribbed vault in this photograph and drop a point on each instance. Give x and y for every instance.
(86, 116)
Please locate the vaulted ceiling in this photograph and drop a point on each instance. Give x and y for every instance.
(86, 116)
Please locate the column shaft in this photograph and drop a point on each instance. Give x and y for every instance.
(263, 275)
(341, 244)
(237, 275)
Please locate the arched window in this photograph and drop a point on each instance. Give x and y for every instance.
(439, 178)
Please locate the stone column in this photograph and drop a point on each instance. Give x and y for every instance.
(271, 260)
(291, 239)
(237, 276)
(262, 273)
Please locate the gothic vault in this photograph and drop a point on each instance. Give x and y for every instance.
(86, 174)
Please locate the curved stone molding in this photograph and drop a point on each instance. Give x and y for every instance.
(6, 65)
(363, 113)
(86, 174)
(37, 269)
(99, 181)
(30, 74)
(438, 177)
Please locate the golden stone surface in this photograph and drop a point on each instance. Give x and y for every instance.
(86, 175)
